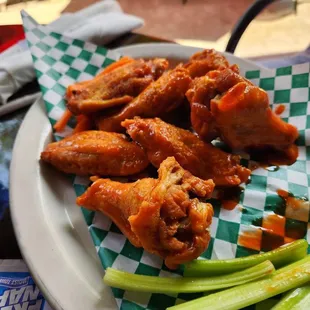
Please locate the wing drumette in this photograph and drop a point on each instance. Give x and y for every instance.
(114, 88)
(202, 62)
(160, 97)
(205, 161)
(227, 105)
(158, 214)
(96, 153)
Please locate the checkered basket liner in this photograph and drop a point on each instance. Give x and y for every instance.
(60, 61)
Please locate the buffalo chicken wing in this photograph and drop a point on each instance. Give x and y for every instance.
(202, 62)
(226, 105)
(203, 160)
(162, 96)
(158, 214)
(96, 153)
(114, 88)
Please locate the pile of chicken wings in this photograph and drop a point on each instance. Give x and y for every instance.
(144, 113)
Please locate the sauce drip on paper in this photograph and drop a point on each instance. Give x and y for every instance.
(278, 229)
(280, 109)
(230, 197)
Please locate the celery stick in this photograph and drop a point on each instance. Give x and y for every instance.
(283, 255)
(140, 283)
(296, 299)
(282, 280)
(302, 304)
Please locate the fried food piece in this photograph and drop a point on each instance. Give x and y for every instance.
(117, 87)
(180, 117)
(158, 214)
(203, 160)
(201, 91)
(96, 153)
(226, 105)
(162, 96)
(202, 62)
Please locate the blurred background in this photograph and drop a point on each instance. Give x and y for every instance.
(282, 28)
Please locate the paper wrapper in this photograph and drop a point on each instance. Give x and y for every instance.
(60, 61)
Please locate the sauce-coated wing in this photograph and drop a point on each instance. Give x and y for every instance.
(203, 160)
(160, 97)
(202, 62)
(158, 214)
(96, 153)
(227, 105)
(114, 88)
(200, 93)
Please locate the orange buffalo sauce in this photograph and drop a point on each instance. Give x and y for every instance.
(274, 223)
(230, 197)
(278, 229)
(280, 109)
(282, 193)
(295, 208)
(251, 239)
(229, 204)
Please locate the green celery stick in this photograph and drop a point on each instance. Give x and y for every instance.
(283, 255)
(284, 279)
(296, 299)
(140, 283)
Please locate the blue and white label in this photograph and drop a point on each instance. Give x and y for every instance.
(18, 290)
(13, 282)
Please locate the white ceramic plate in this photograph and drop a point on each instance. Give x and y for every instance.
(50, 229)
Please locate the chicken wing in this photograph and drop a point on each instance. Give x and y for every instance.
(201, 91)
(203, 160)
(158, 214)
(227, 105)
(96, 153)
(202, 62)
(160, 97)
(114, 88)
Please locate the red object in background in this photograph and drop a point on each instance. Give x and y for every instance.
(10, 35)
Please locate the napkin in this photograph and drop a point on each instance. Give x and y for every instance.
(60, 61)
(100, 23)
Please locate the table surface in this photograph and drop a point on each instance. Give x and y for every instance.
(10, 123)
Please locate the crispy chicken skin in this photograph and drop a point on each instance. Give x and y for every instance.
(115, 88)
(202, 62)
(203, 160)
(96, 153)
(201, 91)
(226, 105)
(158, 214)
(160, 97)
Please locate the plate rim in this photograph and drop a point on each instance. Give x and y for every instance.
(170, 46)
(16, 168)
(14, 217)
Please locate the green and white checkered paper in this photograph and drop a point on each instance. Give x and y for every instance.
(60, 61)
